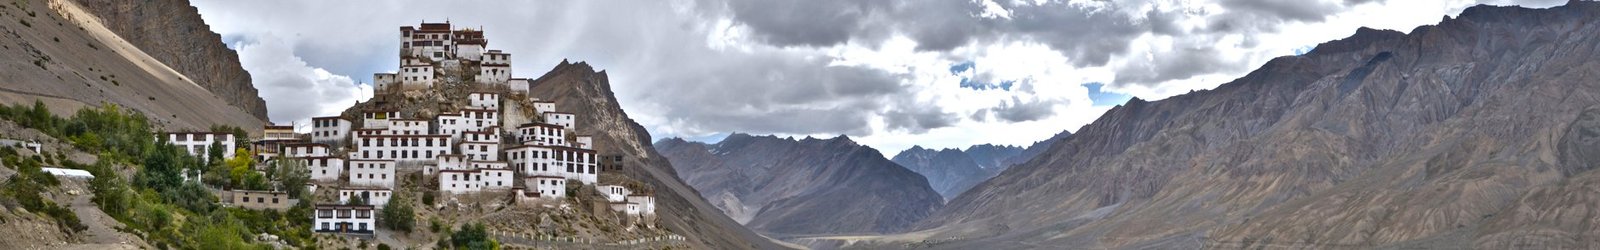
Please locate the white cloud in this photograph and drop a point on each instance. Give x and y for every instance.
(295, 91)
(695, 68)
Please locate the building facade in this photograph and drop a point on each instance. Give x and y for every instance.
(347, 219)
(199, 143)
(371, 173)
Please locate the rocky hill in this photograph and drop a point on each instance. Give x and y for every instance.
(63, 55)
(577, 88)
(172, 32)
(951, 171)
(810, 186)
(1477, 132)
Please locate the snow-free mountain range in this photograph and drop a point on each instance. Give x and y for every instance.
(1481, 131)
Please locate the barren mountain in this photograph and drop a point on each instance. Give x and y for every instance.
(172, 32)
(951, 171)
(61, 54)
(787, 187)
(578, 89)
(1477, 132)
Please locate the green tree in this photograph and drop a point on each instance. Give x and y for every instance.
(162, 168)
(473, 236)
(238, 168)
(398, 214)
(292, 175)
(214, 153)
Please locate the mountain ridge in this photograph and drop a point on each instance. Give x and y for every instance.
(808, 186)
(1458, 135)
(952, 171)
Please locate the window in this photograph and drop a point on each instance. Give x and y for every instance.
(274, 200)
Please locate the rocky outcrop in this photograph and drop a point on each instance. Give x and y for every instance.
(951, 171)
(172, 32)
(1473, 133)
(577, 88)
(804, 187)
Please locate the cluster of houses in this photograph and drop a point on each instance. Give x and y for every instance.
(467, 152)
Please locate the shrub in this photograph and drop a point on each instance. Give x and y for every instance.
(473, 236)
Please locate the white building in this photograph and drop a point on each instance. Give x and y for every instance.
(484, 100)
(488, 165)
(614, 193)
(378, 119)
(541, 134)
(407, 127)
(495, 67)
(278, 133)
(355, 219)
(404, 148)
(628, 208)
(645, 204)
(567, 162)
(481, 151)
(476, 180)
(453, 124)
(549, 186)
(489, 135)
(330, 130)
(452, 162)
(565, 120)
(469, 44)
(384, 80)
(520, 84)
(26, 145)
(429, 40)
(326, 168)
(541, 107)
(297, 150)
(199, 143)
(585, 142)
(374, 196)
(479, 119)
(73, 173)
(416, 73)
(372, 173)
(259, 200)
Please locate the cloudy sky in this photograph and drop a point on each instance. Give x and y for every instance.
(888, 73)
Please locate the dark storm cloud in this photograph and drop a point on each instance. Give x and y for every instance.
(1181, 63)
(780, 93)
(1020, 111)
(918, 121)
(1087, 35)
(812, 23)
(1283, 10)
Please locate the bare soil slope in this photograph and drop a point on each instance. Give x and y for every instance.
(56, 52)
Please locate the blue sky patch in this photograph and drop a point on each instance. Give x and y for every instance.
(965, 71)
(1302, 50)
(1101, 97)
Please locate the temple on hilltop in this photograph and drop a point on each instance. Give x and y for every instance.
(430, 49)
